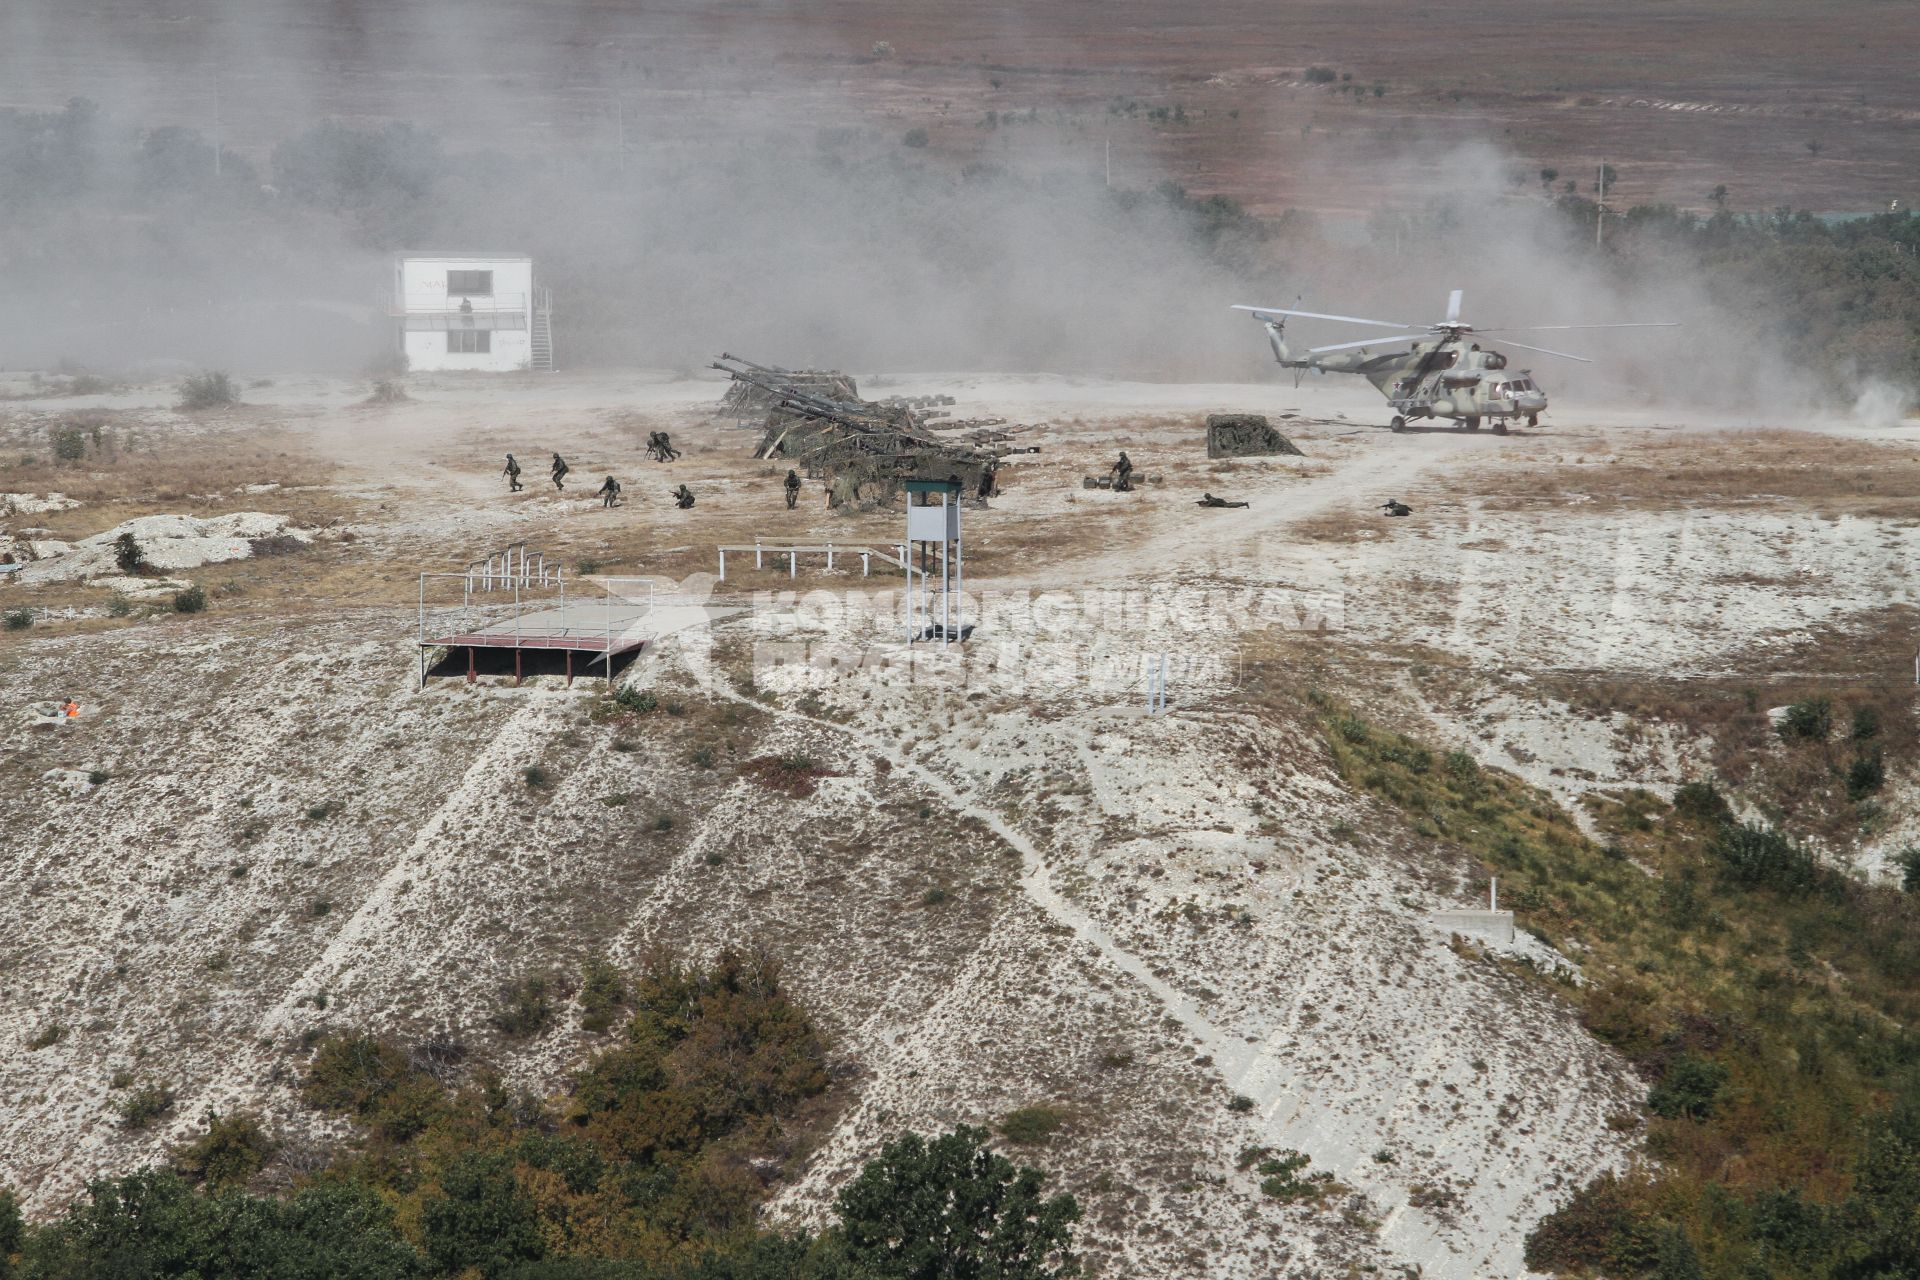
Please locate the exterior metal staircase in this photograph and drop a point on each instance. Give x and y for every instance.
(540, 340)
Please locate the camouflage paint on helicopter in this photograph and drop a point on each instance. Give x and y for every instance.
(1444, 374)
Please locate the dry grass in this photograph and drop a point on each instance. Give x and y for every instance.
(1828, 474)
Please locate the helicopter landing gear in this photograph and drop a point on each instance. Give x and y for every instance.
(1533, 419)
(1471, 422)
(1398, 424)
(1500, 427)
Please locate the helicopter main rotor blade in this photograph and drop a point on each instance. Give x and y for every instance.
(1541, 328)
(1508, 342)
(1316, 315)
(1453, 306)
(1370, 342)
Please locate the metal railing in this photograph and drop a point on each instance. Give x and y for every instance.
(895, 555)
(515, 565)
(418, 301)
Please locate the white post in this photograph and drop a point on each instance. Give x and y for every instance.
(756, 554)
(866, 567)
(1600, 205)
(829, 557)
(723, 564)
(959, 583)
(1493, 893)
(793, 564)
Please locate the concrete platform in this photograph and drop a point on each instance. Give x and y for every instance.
(607, 631)
(591, 626)
(1496, 926)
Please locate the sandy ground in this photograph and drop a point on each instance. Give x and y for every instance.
(1144, 917)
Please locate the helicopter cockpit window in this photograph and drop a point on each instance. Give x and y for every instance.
(1447, 360)
(1495, 360)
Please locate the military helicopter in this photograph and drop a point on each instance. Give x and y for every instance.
(1445, 374)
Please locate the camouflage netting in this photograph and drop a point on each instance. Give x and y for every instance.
(863, 450)
(1245, 435)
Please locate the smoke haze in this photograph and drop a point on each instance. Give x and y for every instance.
(743, 202)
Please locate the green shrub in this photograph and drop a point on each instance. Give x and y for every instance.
(1866, 722)
(915, 138)
(636, 699)
(952, 1207)
(1030, 1125)
(228, 1154)
(1866, 774)
(192, 600)
(353, 1074)
(69, 444)
(526, 1009)
(210, 390)
(144, 1105)
(1321, 75)
(118, 605)
(1281, 1174)
(482, 1222)
(602, 992)
(127, 553)
(537, 778)
(934, 897)
(17, 619)
(1604, 1227)
(47, 1036)
(1240, 1102)
(1688, 1089)
(1701, 801)
(1810, 718)
(1908, 860)
(1763, 857)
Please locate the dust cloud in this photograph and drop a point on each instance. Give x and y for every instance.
(766, 211)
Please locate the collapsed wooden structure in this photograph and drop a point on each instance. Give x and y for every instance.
(864, 451)
(751, 398)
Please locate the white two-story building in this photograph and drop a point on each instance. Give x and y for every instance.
(472, 311)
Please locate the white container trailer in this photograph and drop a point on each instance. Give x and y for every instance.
(471, 311)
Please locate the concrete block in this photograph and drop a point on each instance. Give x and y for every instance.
(1495, 926)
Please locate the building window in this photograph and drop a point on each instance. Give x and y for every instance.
(475, 283)
(469, 341)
